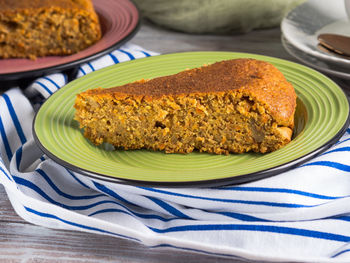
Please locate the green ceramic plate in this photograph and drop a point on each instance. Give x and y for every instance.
(322, 116)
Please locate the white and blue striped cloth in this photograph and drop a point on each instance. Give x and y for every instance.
(300, 215)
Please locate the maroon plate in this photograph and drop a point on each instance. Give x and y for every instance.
(119, 22)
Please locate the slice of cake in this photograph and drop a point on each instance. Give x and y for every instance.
(29, 29)
(233, 106)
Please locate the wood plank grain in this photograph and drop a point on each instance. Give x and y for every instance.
(7, 214)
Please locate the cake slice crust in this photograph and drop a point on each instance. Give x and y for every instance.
(231, 106)
(30, 29)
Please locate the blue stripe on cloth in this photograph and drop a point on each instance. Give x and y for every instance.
(92, 68)
(289, 205)
(133, 213)
(114, 58)
(53, 82)
(35, 188)
(111, 210)
(339, 166)
(58, 191)
(109, 192)
(262, 228)
(5, 141)
(145, 216)
(82, 70)
(340, 253)
(278, 190)
(15, 119)
(238, 216)
(342, 149)
(39, 191)
(342, 218)
(131, 57)
(256, 228)
(243, 217)
(76, 179)
(46, 215)
(18, 158)
(145, 53)
(44, 86)
(167, 207)
(342, 141)
(5, 173)
(348, 130)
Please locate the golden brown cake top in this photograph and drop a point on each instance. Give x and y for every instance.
(254, 78)
(12, 5)
(218, 77)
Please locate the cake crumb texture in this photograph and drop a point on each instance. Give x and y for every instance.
(232, 106)
(36, 28)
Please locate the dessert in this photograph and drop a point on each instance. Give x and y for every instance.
(232, 106)
(30, 29)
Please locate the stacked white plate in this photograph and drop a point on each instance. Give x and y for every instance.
(301, 27)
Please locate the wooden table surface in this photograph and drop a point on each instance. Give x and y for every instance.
(24, 242)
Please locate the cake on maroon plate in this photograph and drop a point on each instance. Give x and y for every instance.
(35, 28)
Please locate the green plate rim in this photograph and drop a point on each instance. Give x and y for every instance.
(237, 179)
